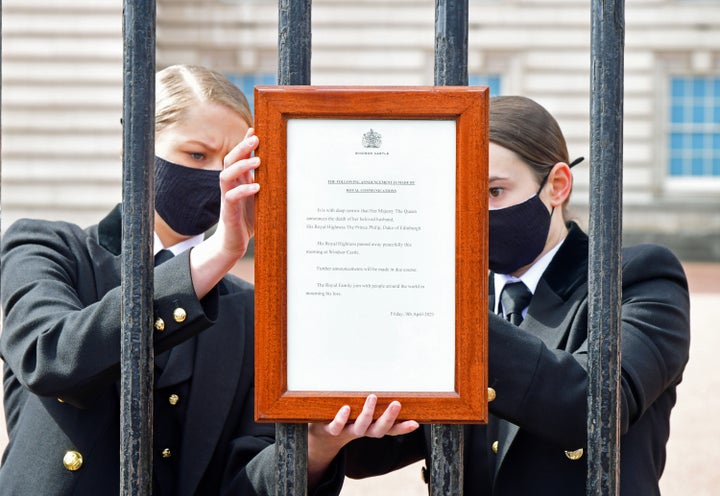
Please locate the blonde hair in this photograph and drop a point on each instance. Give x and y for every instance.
(178, 87)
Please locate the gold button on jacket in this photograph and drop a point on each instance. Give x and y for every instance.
(166, 453)
(159, 324)
(173, 399)
(491, 394)
(495, 446)
(179, 314)
(575, 455)
(72, 460)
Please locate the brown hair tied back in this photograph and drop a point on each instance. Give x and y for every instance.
(526, 128)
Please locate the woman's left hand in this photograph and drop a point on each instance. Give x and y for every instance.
(326, 440)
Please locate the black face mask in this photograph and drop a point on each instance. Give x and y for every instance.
(517, 234)
(188, 199)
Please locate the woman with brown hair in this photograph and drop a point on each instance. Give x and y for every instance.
(535, 441)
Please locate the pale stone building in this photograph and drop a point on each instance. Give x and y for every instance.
(62, 90)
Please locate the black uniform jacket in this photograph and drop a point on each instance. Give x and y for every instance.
(61, 346)
(534, 443)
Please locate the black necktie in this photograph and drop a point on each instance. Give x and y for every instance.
(515, 297)
(162, 256)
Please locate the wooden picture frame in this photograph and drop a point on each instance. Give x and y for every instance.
(438, 133)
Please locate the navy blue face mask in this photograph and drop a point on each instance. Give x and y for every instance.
(518, 233)
(188, 199)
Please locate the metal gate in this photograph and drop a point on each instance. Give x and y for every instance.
(294, 39)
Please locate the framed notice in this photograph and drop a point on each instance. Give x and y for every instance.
(371, 252)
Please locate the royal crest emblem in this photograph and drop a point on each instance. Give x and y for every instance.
(372, 139)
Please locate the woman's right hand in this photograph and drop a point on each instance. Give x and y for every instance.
(214, 257)
(238, 189)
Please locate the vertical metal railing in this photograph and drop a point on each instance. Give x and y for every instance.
(604, 278)
(136, 356)
(294, 52)
(294, 43)
(451, 55)
(451, 42)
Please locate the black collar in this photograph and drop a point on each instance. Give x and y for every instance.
(110, 231)
(569, 267)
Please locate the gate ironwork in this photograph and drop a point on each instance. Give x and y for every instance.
(294, 44)
(136, 347)
(604, 267)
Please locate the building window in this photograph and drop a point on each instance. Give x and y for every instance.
(492, 81)
(694, 132)
(247, 83)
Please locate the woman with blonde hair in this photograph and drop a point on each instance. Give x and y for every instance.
(61, 337)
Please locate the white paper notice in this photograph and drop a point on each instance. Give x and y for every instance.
(371, 255)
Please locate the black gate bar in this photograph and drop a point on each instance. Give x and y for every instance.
(447, 444)
(605, 230)
(451, 55)
(136, 348)
(451, 42)
(294, 41)
(291, 459)
(294, 52)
